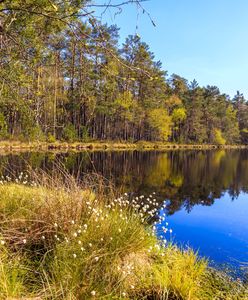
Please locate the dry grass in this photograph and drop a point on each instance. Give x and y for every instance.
(61, 241)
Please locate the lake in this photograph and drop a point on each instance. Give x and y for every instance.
(205, 193)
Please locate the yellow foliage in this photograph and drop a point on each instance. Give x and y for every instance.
(218, 138)
(160, 121)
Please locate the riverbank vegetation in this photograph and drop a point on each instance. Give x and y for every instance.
(62, 241)
(64, 76)
(12, 146)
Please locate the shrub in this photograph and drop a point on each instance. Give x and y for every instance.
(3, 127)
(85, 134)
(69, 133)
(218, 138)
(51, 138)
(36, 134)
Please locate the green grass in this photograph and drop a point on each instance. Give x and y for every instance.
(62, 242)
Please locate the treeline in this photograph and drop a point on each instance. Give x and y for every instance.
(64, 76)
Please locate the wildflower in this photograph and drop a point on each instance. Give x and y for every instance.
(96, 258)
(82, 248)
(79, 242)
(24, 241)
(74, 255)
(72, 222)
(123, 294)
(75, 234)
(55, 224)
(90, 244)
(93, 293)
(119, 230)
(132, 286)
(2, 242)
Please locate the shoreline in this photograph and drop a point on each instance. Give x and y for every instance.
(106, 146)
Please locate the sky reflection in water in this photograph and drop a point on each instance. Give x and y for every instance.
(208, 190)
(219, 232)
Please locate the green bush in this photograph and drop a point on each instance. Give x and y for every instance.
(69, 133)
(51, 138)
(85, 134)
(36, 134)
(3, 127)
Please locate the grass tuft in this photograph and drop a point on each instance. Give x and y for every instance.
(59, 241)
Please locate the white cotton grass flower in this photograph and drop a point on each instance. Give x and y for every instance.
(74, 255)
(96, 258)
(2, 242)
(55, 225)
(93, 293)
(24, 241)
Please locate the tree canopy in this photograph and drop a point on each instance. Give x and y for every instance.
(63, 75)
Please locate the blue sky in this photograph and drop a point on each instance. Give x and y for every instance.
(196, 39)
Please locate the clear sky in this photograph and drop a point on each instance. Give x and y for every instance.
(206, 40)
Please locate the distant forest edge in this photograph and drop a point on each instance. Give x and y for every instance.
(64, 76)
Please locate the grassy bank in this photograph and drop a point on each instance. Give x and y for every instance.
(64, 242)
(105, 145)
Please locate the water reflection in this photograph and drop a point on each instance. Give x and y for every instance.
(187, 178)
(206, 191)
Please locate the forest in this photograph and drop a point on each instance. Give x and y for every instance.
(65, 76)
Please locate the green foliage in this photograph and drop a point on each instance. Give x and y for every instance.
(161, 122)
(3, 127)
(51, 138)
(36, 134)
(85, 134)
(231, 126)
(53, 79)
(69, 133)
(12, 274)
(218, 138)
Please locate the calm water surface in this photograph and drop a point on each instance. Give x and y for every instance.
(206, 192)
